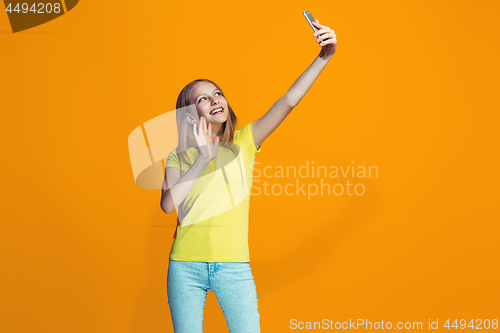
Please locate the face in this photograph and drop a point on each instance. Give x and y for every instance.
(209, 101)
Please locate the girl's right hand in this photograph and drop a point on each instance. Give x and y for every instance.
(207, 148)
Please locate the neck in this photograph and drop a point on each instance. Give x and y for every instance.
(216, 128)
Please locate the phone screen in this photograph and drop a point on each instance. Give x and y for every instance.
(310, 19)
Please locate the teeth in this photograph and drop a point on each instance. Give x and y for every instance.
(217, 111)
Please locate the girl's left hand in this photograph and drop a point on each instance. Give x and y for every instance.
(327, 39)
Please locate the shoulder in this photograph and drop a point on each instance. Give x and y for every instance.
(173, 159)
(243, 132)
(173, 154)
(244, 137)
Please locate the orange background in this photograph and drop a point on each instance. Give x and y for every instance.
(412, 89)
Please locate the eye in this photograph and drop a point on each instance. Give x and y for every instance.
(217, 92)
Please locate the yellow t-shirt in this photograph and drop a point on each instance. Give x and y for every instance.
(214, 215)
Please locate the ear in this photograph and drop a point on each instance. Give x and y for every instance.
(190, 119)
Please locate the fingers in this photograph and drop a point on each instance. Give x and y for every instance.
(321, 32)
(203, 126)
(326, 35)
(207, 130)
(328, 41)
(327, 38)
(194, 131)
(316, 24)
(322, 29)
(200, 128)
(208, 134)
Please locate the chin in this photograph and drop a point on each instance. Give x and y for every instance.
(218, 120)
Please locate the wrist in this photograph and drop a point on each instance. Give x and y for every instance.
(324, 57)
(202, 162)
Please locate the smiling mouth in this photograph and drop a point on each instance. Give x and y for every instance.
(217, 111)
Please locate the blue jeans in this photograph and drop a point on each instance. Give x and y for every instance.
(232, 283)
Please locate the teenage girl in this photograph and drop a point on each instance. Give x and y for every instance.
(208, 179)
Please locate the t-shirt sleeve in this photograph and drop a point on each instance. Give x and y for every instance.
(173, 160)
(246, 136)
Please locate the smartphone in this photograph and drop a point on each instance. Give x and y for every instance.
(310, 19)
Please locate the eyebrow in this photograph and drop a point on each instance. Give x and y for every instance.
(204, 94)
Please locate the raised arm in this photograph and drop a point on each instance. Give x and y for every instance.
(264, 126)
